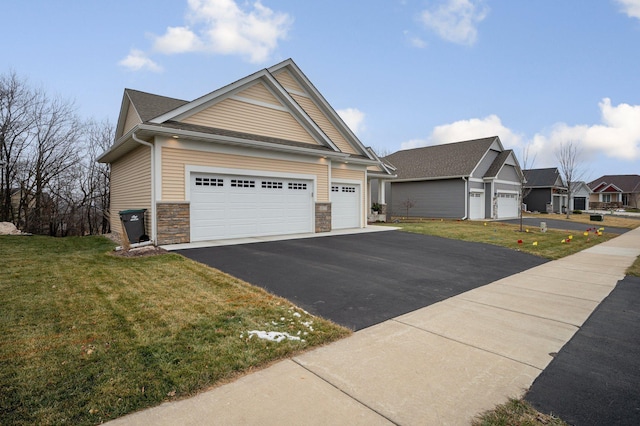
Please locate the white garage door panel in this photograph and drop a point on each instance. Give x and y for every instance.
(345, 206)
(507, 205)
(476, 205)
(229, 206)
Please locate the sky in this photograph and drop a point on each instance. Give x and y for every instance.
(401, 73)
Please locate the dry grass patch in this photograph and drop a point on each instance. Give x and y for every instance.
(553, 244)
(609, 220)
(516, 412)
(86, 336)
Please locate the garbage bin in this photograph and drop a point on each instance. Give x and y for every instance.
(133, 222)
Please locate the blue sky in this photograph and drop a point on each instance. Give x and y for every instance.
(402, 73)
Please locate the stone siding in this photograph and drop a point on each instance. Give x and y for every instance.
(174, 223)
(323, 217)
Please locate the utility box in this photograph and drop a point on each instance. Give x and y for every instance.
(133, 224)
(543, 226)
(596, 218)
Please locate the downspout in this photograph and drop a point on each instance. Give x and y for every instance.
(154, 226)
(466, 198)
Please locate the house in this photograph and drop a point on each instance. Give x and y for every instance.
(264, 155)
(580, 193)
(544, 191)
(615, 191)
(474, 179)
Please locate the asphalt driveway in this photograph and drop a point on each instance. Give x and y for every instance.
(362, 279)
(594, 378)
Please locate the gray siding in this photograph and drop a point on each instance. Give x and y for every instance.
(484, 165)
(507, 187)
(508, 173)
(538, 199)
(476, 185)
(441, 198)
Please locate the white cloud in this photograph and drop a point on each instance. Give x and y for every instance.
(354, 118)
(415, 41)
(630, 7)
(462, 130)
(137, 60)
(456, 20)
(616, 137)
(223, 27)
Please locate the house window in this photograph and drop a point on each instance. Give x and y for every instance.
(296, 185)
(606, 198)
(348, 189)
(271, 185)
(239, 183)
(202, 181)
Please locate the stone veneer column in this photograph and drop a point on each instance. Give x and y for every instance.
(323, 217)
(174, 223)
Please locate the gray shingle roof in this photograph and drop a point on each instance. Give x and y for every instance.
(150, 106)
(541, 178)
(627, 183)
(446, 160)
(497, 164)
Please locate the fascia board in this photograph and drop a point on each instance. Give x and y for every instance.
(126, 140)
(430, 179)
(202, 102)
(321, 102)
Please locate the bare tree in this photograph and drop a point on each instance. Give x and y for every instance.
(94, 181)
(52, 152)
(16, 123)
(527, 163)
(569, 159)
(408, 204)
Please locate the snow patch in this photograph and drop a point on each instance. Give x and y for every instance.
(274, 336)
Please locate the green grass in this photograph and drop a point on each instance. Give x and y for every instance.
(516, 412)
(86, 336)
(549, 245)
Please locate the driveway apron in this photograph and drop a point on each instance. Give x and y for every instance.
(364, 279)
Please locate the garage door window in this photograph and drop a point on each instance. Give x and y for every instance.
(209, 182)
(239, 183)
(348, 189)
(298, 186)
(271, 185)
(335, 189)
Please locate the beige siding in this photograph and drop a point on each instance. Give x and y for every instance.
(131, 120)
(232, 114)
(348, 174)
(174, 161)
(260, 93)
(131, 185)
(287, 81)
(323, 122)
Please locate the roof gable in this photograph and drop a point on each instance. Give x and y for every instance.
(458, 159)
(625, 183)
(543, 178)
(506, 157)
(140, 107)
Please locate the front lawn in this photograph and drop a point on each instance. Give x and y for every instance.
(86, 336)
(552, 244)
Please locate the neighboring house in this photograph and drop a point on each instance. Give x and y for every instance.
(473, 179)
(544, 191)
(265, 155)
(580, 196)
(615, 191)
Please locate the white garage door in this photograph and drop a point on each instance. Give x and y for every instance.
(476, 205)
(345, 206)
(230, 206)
(507, 205)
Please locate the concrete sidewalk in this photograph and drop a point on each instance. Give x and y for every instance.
(442, 364)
